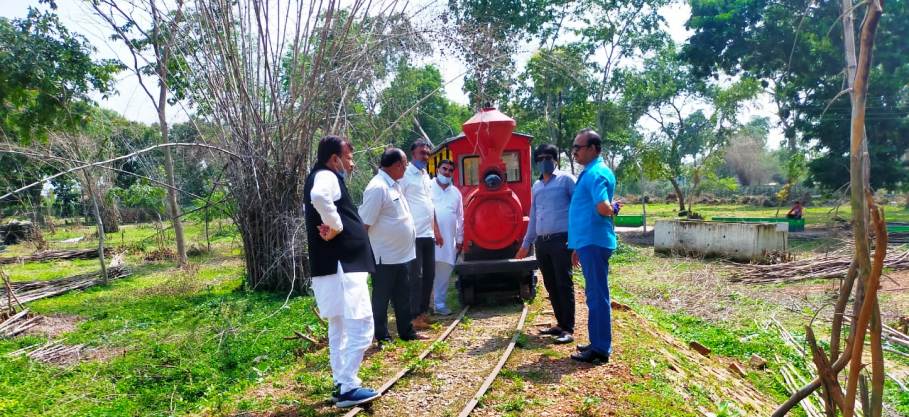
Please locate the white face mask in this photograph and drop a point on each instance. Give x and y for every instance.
(444, 180)
(345, 174)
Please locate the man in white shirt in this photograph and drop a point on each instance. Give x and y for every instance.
(340, 259)
(449, 207)
(416, 185)
(391, 234)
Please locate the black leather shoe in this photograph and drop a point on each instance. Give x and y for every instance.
(589, 356)
(564, 338)
(583, 348)
(552, 331)
(383, 343)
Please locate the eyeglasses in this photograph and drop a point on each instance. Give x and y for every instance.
(579, 147)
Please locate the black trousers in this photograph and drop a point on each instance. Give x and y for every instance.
(554, 258)
(389, 283)
(422, 275)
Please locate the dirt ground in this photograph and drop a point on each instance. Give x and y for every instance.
(650, 373)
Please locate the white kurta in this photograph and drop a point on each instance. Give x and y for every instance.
(342, 297)
(340, 294)
(416, 186)
(449, 207)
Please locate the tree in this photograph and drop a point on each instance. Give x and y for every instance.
(486, 35)
(156, 48)
(46, 75)
(284, 90)
(693, 120)
(419, 93)
(554, 99)
(792, 47)
(746, 156)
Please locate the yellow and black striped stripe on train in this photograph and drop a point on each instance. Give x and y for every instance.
(437, 157)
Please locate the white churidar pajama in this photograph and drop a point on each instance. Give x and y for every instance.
(343, 298)
(450, 216)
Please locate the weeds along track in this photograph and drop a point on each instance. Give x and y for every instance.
(453, 373)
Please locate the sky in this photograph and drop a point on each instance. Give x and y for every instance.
(132, 102)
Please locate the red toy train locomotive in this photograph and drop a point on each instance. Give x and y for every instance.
(493, 173)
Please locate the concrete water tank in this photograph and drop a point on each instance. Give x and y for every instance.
(739, 241)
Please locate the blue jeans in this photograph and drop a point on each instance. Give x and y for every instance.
(595, 265)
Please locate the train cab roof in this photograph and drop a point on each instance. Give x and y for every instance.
(460, 136)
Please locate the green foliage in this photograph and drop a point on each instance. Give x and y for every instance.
(694, 121)
(141, 195)
(553, 102)
(415, 100)
(46, 76)
(486, 36)
(795, 47)
(218, 207)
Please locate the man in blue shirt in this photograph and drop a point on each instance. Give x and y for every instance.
(548, 232)
(591, 234)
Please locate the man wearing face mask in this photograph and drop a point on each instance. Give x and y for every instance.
(450, 216)
(548, 232)
(417, 187)
(388, 221)
(340, 259)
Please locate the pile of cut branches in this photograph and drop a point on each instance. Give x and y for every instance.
(53, 255)
(50, 352)
(15, 324)
(36, 290)
(835, 266)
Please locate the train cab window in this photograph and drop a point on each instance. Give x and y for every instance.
(470, 170)
(512, 166)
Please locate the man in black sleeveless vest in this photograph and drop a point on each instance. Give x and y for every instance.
(340, 259)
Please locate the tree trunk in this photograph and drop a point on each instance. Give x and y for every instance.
(678, 193)
(275, 251)
(172, 205)
(858, 181)
(109, 214)
(99, 221)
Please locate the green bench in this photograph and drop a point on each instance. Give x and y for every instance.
(629, 220)
(795, 225)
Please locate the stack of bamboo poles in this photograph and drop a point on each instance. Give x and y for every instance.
(793, 378)
(50, 352)
(18, 323)
(894, 336)
(834, 266)
(53, 255)
(898, 238)
(36, 290)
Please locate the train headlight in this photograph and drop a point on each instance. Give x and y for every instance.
(493, 181)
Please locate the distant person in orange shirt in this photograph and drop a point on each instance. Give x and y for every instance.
(796, 211)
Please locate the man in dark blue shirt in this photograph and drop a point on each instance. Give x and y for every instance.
(591, 233)
(548, 232)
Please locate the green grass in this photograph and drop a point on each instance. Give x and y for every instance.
(50, 270)
(741, 334)
(813, 215)
(177, 343)
(130, 236)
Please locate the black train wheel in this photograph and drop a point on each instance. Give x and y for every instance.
(528, 289)
(466, 294)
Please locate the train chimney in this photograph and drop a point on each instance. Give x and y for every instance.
(491, 130)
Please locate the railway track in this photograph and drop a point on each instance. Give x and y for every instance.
(471, 344)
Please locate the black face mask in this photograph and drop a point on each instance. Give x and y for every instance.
(546, 166)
